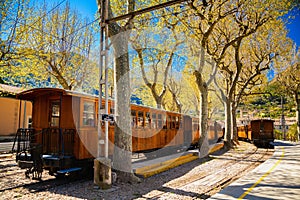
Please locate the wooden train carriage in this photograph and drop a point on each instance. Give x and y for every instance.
(262, 132)
(65, 122)
(214, 132)
(196, 133)
(65, 125)
(154, 129)
(243, 132)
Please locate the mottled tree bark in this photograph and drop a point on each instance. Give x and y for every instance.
(227, 135)
(203, 114)
(123, 132)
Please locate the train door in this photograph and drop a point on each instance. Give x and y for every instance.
(54, 114)
(187, 130)
(51, 138)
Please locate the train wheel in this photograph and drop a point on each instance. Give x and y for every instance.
(37, 174)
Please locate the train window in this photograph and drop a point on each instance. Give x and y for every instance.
(147, 120)
(133, 118)
(153, 122)
(262, 127)
(169, 122)
(141, 119)
(180, 122)
(164, 122)
(29, 122)
(112, 110)
(159, 121)
(88, 113)
(173, 122)
(54, 114)
(177, 122)
(195, 125)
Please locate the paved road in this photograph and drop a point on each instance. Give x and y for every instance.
(6, 146)
(277, 178)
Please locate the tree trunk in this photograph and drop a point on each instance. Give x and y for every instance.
(158, 99)
(203, 121)
(123, 131)
(234, 123)
(203, 140)
(227, 134)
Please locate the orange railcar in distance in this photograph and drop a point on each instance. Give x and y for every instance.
(260, 132)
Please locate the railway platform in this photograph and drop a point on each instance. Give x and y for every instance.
(151, 167)
(277, 178)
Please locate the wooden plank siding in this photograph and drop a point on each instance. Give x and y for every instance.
(151, 128)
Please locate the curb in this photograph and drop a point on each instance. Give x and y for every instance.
(164, 166)
(157, 168)
(5, 156)
(216, 147)
(157, 165)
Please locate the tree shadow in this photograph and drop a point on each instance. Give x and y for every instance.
(140, 190)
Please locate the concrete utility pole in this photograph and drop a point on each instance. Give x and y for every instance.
(102, 165)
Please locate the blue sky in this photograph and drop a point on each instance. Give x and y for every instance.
(294, 28)
(89, 8)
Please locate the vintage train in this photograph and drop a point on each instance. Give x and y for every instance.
(64, 138)
(260, 132)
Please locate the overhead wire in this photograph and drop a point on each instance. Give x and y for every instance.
(31, 25)
(92, 22)
(55, 7)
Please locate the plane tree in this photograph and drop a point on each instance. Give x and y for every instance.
(225, 42)
(156, 51)
(289, 77)
(59, 45)
(256, 55)
(201, 19)
(12, 15)
(118, 34)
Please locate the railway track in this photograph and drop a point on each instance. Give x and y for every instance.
(42, 185)
(206, 182)
(13, 179)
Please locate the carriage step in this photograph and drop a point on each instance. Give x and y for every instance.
(55, 157)
(69, 170)
(23, 164)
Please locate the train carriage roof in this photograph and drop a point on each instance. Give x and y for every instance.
(36, 92)
(33, 93)
(259, 120)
